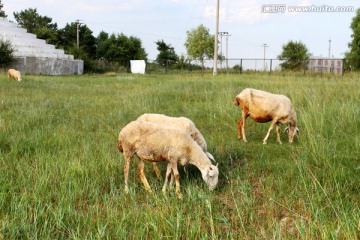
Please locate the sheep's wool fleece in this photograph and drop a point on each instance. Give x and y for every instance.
(154, 142)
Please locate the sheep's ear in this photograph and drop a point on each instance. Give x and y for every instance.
(297, 129)
(210, 156)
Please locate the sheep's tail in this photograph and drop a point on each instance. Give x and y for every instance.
(119, 146)
(236, 101)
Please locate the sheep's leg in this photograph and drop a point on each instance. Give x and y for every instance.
(177, 179)
(167, 175)
(127, 156)
(171, 184)
(239, 128)
(242, 124)
(142, 175)
(269, 131)
(278, 133)
(156, 169)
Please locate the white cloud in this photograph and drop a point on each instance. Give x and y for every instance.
(247, 12)
(106, 5)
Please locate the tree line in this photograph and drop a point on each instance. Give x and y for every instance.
(112, 52)
(105, 52)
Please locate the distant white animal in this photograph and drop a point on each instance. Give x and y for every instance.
(156, 143)
(263, 107)
(179, 122)
(12, 73)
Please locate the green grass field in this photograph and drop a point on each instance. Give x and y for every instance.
(61, 176)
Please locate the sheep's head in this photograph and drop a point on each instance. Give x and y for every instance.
(291, 130)
(211, 176)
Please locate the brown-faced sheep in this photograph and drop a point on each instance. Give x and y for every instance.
(156, 143)
(12, 73)
(263, 107)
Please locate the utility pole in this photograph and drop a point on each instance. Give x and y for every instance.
(221, 52)
(265, 46)
(227, 52)
(329, 47)
(77, 32)
(216, 38)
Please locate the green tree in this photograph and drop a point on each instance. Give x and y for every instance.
(41, 26)
(353, 55)
(102, 44)
(182, 62)
(166, 54)
(68, 40)
(119, 48)
(6, 53)
(2, 12)
(50, 35)
(294, 54)
(200, 44)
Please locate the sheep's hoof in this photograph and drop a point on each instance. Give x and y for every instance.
(264, 143)
(126, 190)
(179, 196)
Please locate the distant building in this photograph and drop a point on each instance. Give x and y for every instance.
(325, 65)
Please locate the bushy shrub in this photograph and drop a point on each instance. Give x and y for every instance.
(6, 53)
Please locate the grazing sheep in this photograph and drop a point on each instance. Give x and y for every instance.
(156, 143)
(12, 73)
(179, 122)
(263, 107)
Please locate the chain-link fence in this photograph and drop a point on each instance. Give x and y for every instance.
(239, 66)
(320, 65)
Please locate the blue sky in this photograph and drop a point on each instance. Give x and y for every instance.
(245, 20)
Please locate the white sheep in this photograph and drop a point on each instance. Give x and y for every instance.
(179, 122)
(156, 143)
(12, 73)
(263, 107)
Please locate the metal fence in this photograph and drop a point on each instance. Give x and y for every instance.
(242, 65)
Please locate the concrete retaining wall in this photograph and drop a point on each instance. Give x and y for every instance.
(48, 66)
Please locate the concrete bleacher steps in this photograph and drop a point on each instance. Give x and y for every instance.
(35, 56)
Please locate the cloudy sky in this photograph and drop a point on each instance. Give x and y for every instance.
(251, 23)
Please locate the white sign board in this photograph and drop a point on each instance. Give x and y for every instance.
(138, 66)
